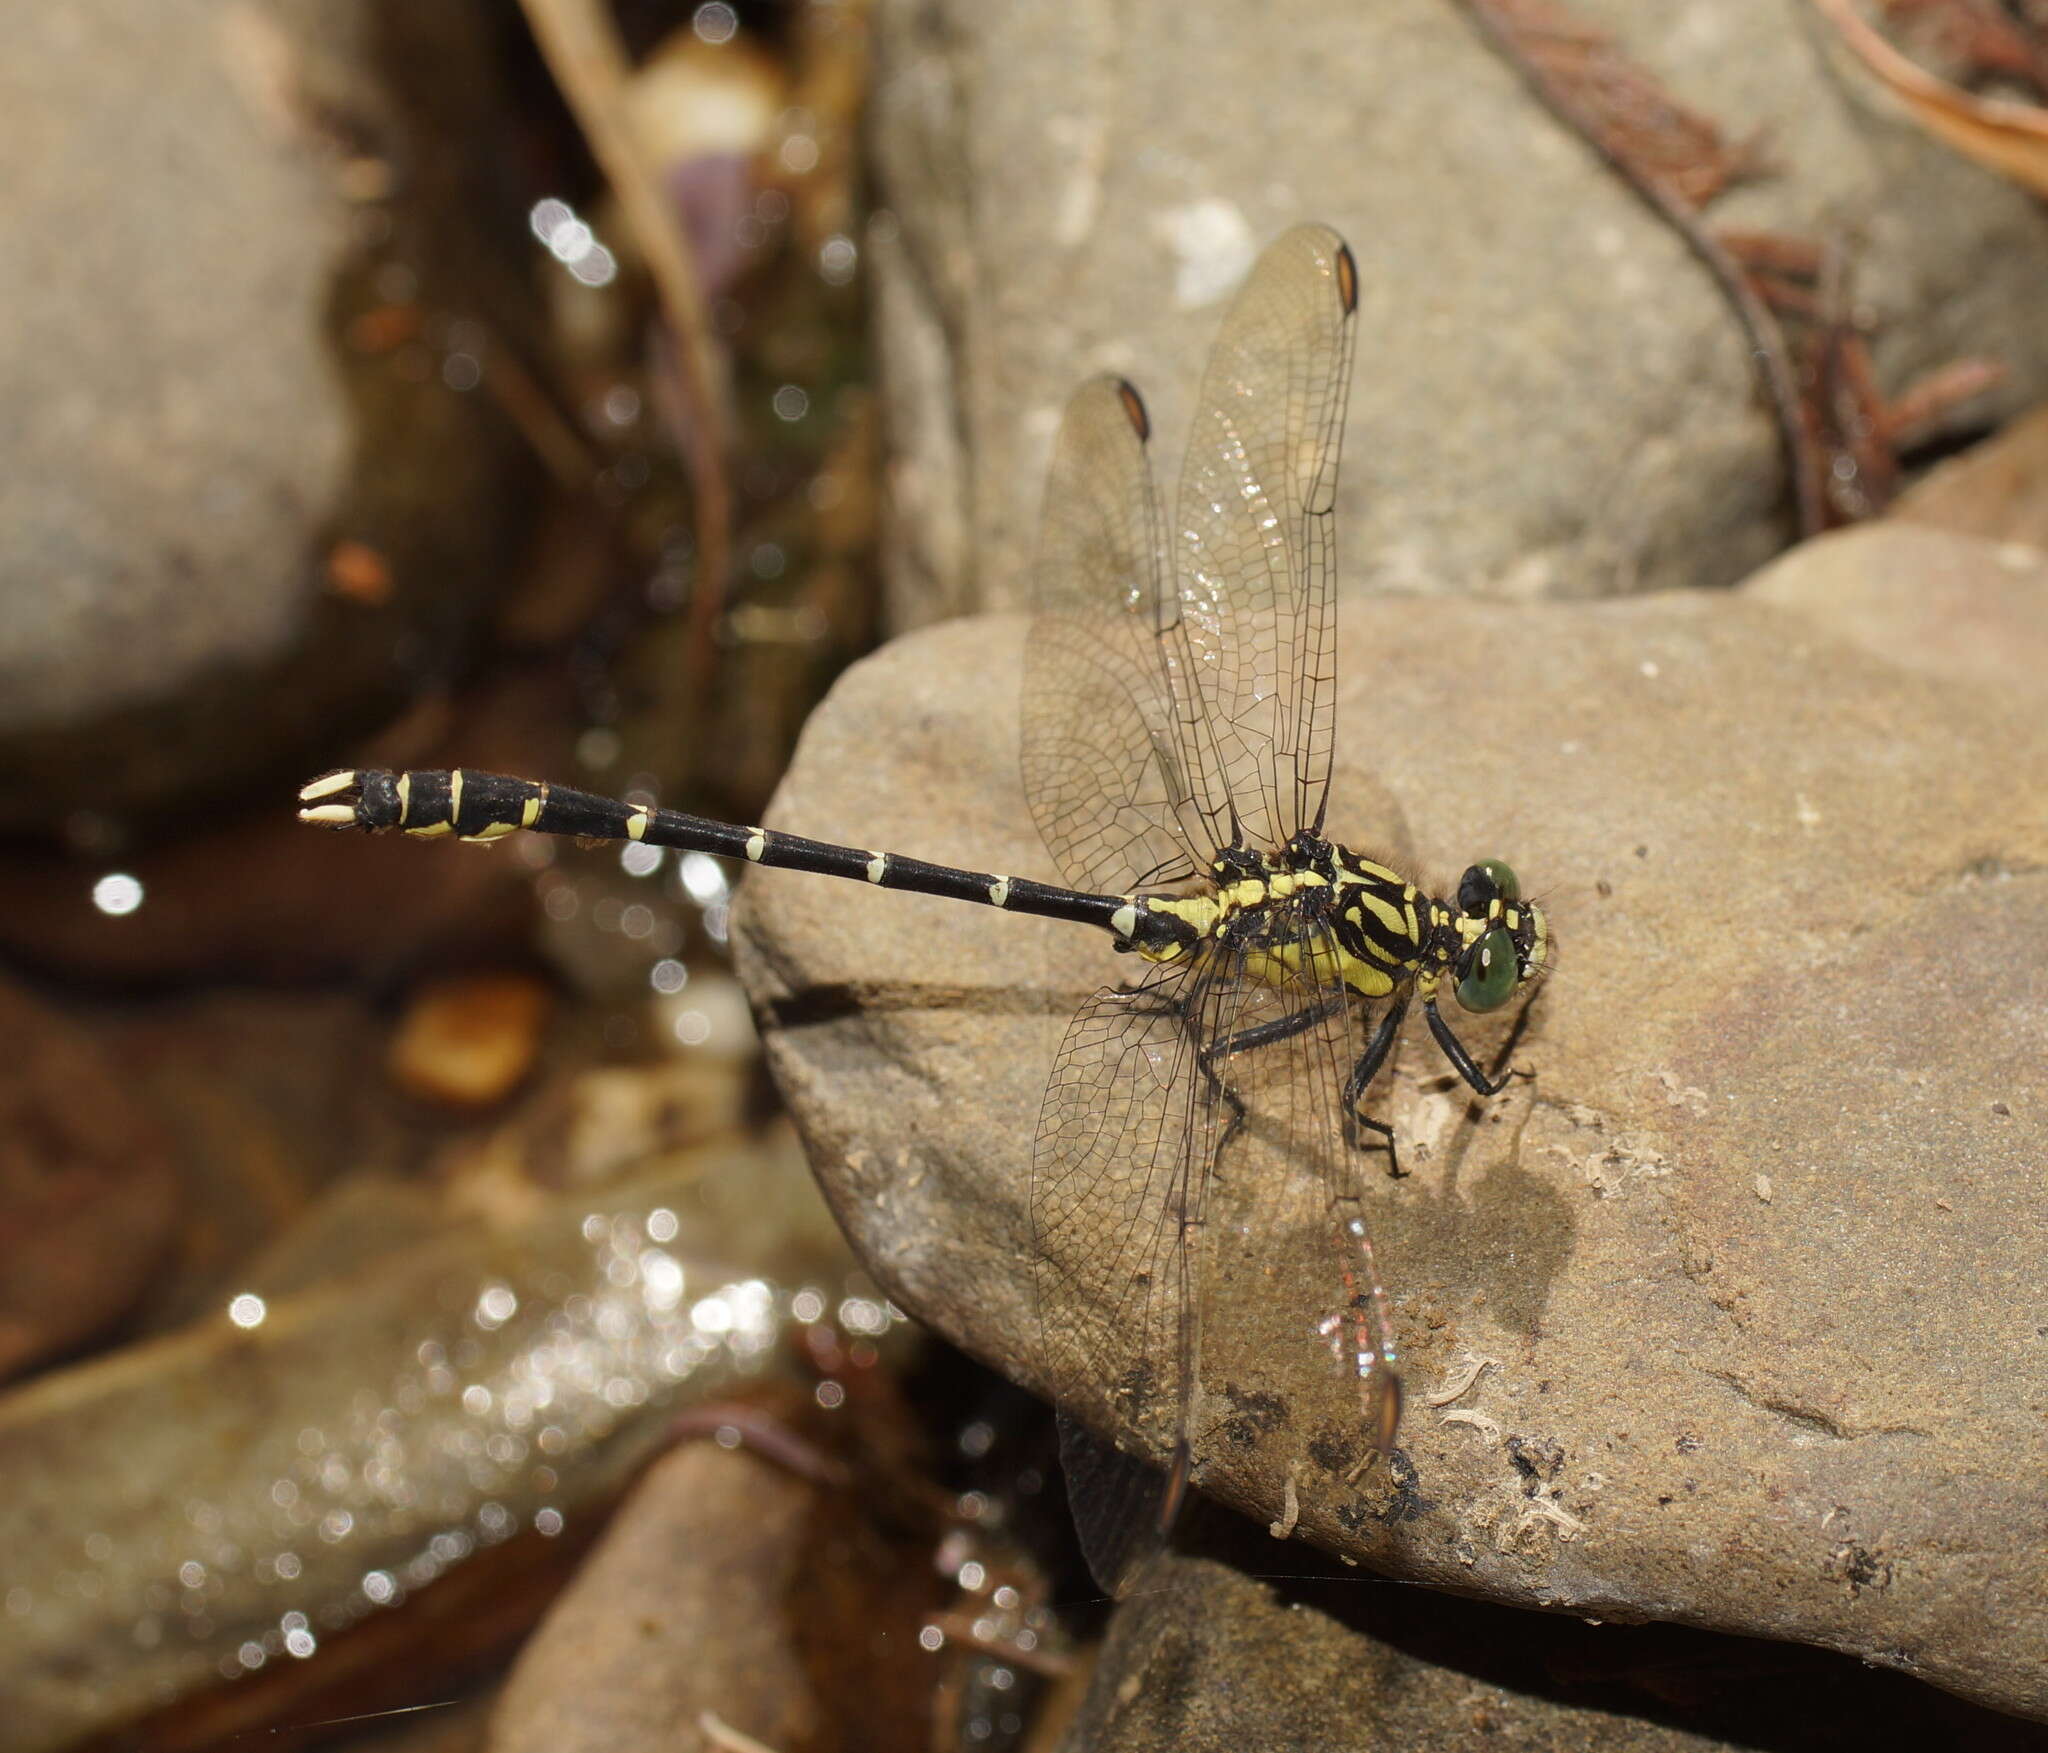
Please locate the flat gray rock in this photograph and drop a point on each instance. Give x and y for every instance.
(1552, 398)
(688, 1609)
(165, 338)
(1730, 1312)
(1210, 1660)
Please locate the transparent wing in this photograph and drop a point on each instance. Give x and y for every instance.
(1109, 1195)
(1250, 650)
(1102, 759)
(1289, 1269)
(1115, 1215)
(1159, 725)
(1164, 1286)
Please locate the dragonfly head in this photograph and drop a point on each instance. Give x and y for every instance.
(1504, 940)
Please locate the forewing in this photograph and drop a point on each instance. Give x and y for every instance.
(1102, 762)
(1253, 550)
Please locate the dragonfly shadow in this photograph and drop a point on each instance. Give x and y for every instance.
(822, 1005)
(1474, 1219)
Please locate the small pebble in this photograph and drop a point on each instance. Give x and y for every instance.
(470, 1041)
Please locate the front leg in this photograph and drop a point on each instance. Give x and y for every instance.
(1454, 1051)
(1362, 1074)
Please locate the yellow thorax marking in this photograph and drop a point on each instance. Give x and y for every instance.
(1381, 909)
(1318, 954)
(1321, 957)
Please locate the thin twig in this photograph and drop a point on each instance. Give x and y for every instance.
(1766, 338)
(583, 52)
(1866, 469)
(962, 1628)
(562, 450)
(1846, 416)
(1773, 252)
(762, 1434)
(1978, 33)
(1929, 399)
(720, 1734)
(2010, 138)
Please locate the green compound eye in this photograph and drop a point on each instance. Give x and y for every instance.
(1491, 972)
(1484, 883)
(1504, 879)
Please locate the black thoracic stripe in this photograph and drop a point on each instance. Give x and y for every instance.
(1366, 944)
(1367, 936)
(478, 803)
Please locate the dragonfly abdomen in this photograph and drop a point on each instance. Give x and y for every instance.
(486, 806)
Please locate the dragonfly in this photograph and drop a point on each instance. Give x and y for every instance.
(1177, 741)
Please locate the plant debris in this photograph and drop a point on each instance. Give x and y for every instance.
(1841, 435)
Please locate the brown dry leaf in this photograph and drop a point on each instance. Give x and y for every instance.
(1677, 162)
(1622, 109)
(2010, 138)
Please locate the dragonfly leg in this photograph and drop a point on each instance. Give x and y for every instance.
(1461, 1061)
(1258, 1035)
(1362, 1074)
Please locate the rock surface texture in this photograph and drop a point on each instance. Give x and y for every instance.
(1729, 1311)
(1209, 1658)
(711, 1601)
(1556, 399)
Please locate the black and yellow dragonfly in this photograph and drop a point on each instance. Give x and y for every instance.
(1177, 740)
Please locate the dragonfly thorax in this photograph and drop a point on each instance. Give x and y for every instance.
(1315, 912)
(1309, 911)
